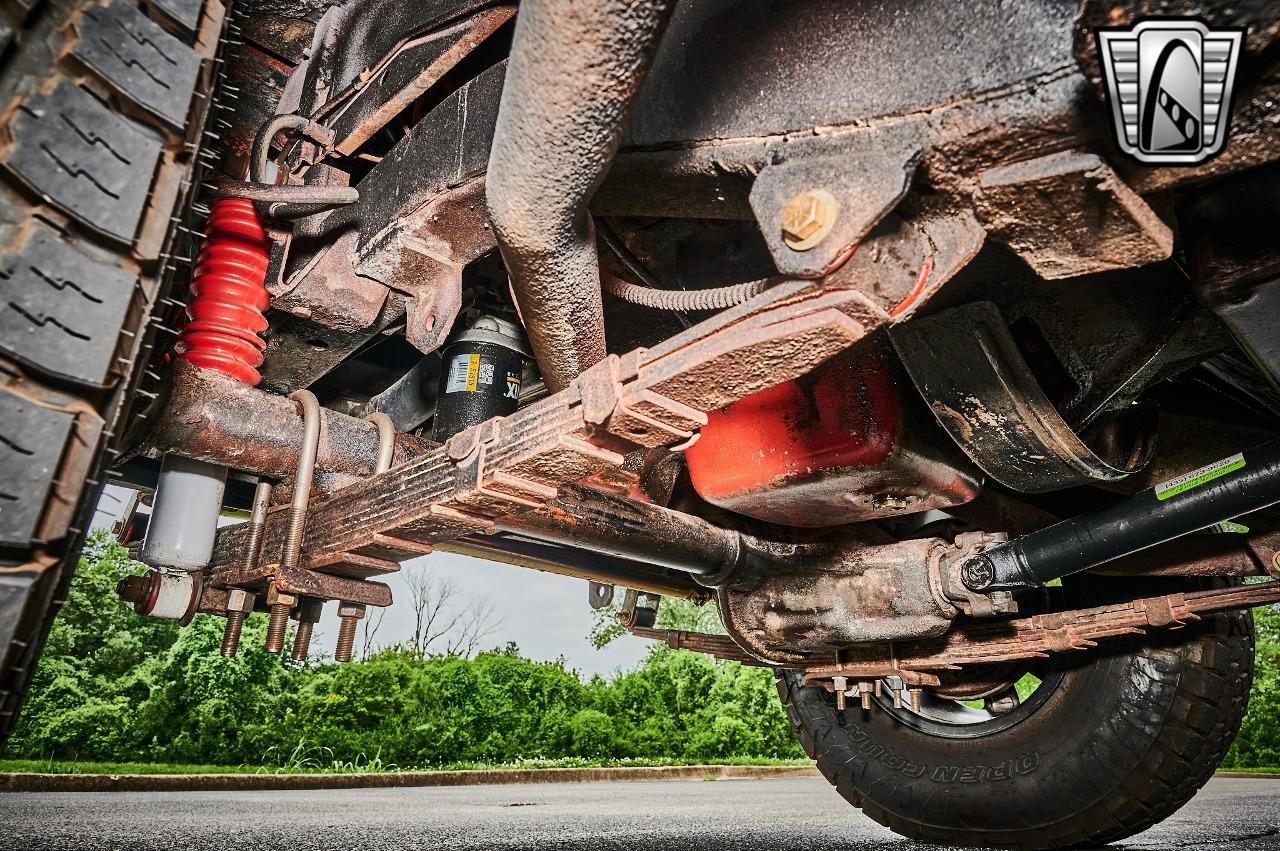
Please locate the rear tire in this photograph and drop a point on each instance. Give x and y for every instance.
(105, 111)
(1129, 734)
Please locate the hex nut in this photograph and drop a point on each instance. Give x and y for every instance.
(350, 610)
(274, 597)
(808, 218)
(239, 600)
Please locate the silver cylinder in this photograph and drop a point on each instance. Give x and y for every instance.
(184, 514)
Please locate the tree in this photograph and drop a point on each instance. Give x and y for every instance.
(444, 621)
(369, 630)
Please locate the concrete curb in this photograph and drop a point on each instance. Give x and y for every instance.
(406, 779)
(284, 782)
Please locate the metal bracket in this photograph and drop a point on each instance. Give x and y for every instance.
(966, 364)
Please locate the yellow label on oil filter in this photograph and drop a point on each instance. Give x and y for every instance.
(464, 374)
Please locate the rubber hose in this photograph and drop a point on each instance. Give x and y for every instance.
(717, 298)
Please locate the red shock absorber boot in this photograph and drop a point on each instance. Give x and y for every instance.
(225, 316)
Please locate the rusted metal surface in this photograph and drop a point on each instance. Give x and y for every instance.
(649, 398)
(300, 350)
(214, 418)
(981, 389)
(1199, 555)
(352, 41)
(403, 76)
(1099, 342)
(862, 186)
(301, 582)
(1069, 214)
(1040, 635)
(332, 294)
(982, 644)
(904, 261)
(600, 522)
(846, 592)
(421, 219)
(719, 646)
(573, 72)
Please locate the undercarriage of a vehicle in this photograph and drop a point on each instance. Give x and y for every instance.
(860, 322)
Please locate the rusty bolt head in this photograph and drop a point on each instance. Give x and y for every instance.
(135, 589)
(239, 600)
(808, 218)
(350, 610)
(275, 598)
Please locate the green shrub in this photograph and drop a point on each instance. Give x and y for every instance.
(115, 687)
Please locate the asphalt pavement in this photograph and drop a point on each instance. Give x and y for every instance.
(742, 815)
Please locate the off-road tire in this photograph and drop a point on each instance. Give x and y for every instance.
(1134, 730)
(107, 113)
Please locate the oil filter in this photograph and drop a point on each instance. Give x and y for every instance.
(481, 376)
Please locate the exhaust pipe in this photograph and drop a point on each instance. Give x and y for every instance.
(574, 70)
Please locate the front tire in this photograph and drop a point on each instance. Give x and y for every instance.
(1127, 735)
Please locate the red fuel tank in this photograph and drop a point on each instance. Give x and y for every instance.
(849, 441)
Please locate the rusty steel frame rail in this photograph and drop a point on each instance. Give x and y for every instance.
(993, 642)
(508, 466)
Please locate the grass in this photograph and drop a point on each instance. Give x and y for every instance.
(46, 766)
(304, 762)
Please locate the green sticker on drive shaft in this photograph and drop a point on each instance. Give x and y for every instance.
(1196, 478)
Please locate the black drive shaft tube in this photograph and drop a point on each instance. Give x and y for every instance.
(1245, 482)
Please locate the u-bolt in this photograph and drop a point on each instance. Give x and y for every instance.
(349, 614)
(386, 441)
(310, 407)
(291, 555)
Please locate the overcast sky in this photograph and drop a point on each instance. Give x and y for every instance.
(545, 614)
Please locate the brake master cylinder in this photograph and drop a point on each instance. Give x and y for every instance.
(483, 369)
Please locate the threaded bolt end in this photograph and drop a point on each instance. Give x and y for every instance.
(302, 641)
(231, 633)
(276, 627)
(346, 639)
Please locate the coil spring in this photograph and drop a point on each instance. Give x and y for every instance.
(225, 316)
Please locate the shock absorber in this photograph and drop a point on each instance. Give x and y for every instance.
(225, 318)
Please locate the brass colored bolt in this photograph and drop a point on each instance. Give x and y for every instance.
(808, 219)
(308, 613)
(349, 615)
(302, 641)
(276, 627)
(239, 605)
(231, 633)
(281, 605)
